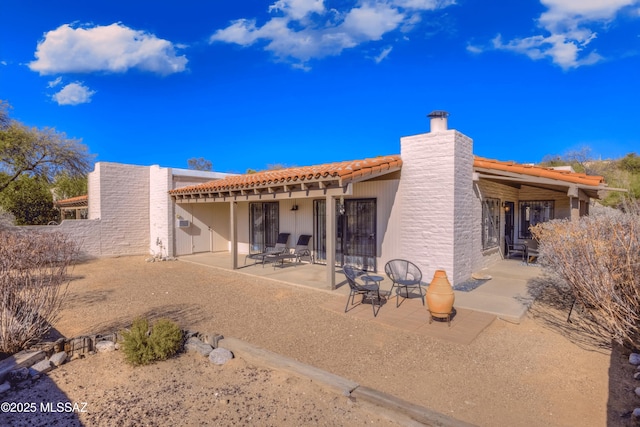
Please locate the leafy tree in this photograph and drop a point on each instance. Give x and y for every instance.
(37, 152)
(630, 163)
(200, 164)
(29, 200)
(67, 186)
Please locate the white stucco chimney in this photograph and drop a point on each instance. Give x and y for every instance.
(438, 121)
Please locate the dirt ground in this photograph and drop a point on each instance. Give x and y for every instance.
(542, 372)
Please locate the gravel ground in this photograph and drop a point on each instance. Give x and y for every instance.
(542, 372)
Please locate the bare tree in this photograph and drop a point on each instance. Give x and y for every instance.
(38, 152)
(200, 164)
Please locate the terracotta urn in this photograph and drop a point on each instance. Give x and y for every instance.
(440, 296)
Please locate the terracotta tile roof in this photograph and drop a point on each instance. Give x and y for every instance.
(353, 170)
(343, 172)
(538, 171)
(73, 201)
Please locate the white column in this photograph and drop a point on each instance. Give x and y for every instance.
(331, 240)
(234, 234)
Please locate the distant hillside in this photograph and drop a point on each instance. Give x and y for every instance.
(618, 173)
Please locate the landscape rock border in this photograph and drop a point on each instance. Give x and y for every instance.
(28, 366)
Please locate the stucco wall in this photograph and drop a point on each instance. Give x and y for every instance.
(124, 208)
(86, 233)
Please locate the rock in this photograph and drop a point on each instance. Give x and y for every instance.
(212, 339)
(637, 390)
(105, 346)
(634, 359)
(18, 375)
(6, 386)
(636, 413)
(22, 359)
(58, 358)
(220, 356)
(41, 367)
(194, 344)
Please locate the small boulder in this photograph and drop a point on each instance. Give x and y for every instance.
(105, 346)
(636, 413)
(634, 359)
(220, 356)
(194, 344)
(58, 358)
(18, 375)
(637, 390)
(41, 367)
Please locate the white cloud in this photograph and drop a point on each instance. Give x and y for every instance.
(371, 21)
(569, 26)
(56, 82)
(113, 48)
(298, 9)
(301, 30)
(383, 55)
(73, 94)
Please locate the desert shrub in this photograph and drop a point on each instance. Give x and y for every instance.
(143, 345)
(598, 257)
(166, 339)
(33, 284)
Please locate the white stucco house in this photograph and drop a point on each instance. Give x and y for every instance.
(435, 204)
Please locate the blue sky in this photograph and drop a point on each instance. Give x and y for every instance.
(298, 82)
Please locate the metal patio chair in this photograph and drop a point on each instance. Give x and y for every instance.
(358, 285)
(404, 275)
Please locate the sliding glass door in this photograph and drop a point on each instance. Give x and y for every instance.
(263, 225)
(355, 233)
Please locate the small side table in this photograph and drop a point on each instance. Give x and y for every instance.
(371, 280)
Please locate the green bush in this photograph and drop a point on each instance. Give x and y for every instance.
(143, 345)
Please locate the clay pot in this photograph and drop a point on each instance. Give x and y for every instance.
(440, 296)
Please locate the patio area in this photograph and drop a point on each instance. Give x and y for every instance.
(504, 296)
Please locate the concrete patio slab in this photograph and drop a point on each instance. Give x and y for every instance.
(504, 296)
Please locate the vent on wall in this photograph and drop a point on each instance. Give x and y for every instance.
(182, 223)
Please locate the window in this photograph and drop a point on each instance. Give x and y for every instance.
(263, 224)
(490, 223)
(532, 213)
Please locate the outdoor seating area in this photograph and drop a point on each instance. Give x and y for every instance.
(527, 251)
(406, 279)
(301, 250)
(502, 295)
(279, 248)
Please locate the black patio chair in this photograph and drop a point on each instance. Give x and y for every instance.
(517, 249)
(280, 247)
(301, 250)
(404, 275)
(358, 285)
